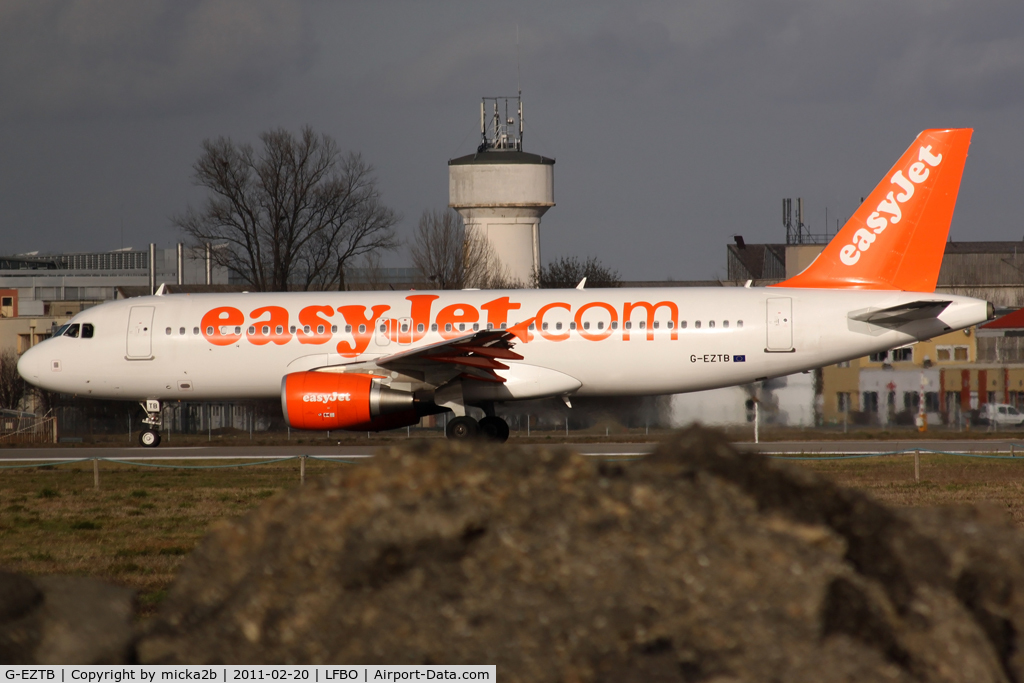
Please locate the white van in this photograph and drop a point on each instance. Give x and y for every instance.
(1001, 415)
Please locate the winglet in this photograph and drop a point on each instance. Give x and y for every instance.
(522, 331)
(896, 238)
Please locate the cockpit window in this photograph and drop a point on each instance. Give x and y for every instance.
(72, 330)
(87, 330)
(61, 330)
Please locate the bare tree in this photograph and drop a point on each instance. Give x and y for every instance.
(448, 258)
(12, 387)
(567, 272)
(290, 216)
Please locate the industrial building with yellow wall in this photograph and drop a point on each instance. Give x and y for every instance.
(955, 375)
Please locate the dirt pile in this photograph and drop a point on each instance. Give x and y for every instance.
(64, 620)
(696, 564)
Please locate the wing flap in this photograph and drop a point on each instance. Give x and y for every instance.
(475, 355)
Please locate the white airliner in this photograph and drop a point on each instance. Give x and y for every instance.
(380, 360)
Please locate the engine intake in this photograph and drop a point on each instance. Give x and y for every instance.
(334, 400)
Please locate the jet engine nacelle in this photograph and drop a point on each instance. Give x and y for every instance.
(334, 400)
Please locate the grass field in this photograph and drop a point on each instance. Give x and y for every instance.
(137, 529)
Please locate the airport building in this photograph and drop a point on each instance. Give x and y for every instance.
(40, 292)
(993, 271)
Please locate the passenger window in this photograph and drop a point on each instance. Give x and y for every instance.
(433, 327)
(600, 325)
(739, 323)
(419, 328)
(252, 329)
(348, 328)
(629, 325)
(209, 331)
(362, 329)
(195, 330)
(670, 324)
(643, 324)
(696, 324)
(615, 324)
(168, 331)
(462, 327)
(305, 328)
(181, 331)
(280, 329)
(503, 326)
(544, 326)
(655, 324)
(87, 330)
(586, 326)
(558, 326)
(711, 323)
(72, 331)
(266, 329)
(682, 324)
(334, 328)
(725, 323)
(319, 329)
(476, 327)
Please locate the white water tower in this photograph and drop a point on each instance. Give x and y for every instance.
(502, 191)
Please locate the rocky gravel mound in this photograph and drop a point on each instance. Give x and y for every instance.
(695, 564)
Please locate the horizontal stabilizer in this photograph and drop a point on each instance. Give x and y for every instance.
(902, 314)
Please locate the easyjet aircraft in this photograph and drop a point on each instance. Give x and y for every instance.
(380, 360)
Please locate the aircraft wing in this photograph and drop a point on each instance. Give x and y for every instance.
(894, 316)
(476, 355)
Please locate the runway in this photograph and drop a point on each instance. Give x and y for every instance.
(597, 450)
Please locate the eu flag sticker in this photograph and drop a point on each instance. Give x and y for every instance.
(739, 359)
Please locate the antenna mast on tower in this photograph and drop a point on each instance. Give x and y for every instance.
(501, 134)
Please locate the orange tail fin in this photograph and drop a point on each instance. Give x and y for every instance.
(897, 237)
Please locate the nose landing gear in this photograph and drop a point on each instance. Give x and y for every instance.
(150, 436)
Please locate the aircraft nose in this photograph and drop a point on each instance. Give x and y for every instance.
(29, 365)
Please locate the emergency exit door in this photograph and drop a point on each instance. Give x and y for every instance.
(780, 324)
(140, 333)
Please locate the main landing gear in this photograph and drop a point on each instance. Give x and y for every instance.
(150, 436)
(491, 428)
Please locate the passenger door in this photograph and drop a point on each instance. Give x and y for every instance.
(140, 333)
(780, 325)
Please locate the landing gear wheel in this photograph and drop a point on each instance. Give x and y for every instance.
(494, 428)
(149, 438)
(462, 428)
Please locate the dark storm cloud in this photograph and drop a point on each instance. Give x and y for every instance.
(675, 124)
(69, 59)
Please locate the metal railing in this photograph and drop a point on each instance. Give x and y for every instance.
(28, 429)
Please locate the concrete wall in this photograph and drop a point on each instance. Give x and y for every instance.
(504, 204)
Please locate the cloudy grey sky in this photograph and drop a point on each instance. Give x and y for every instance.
(675, 125)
